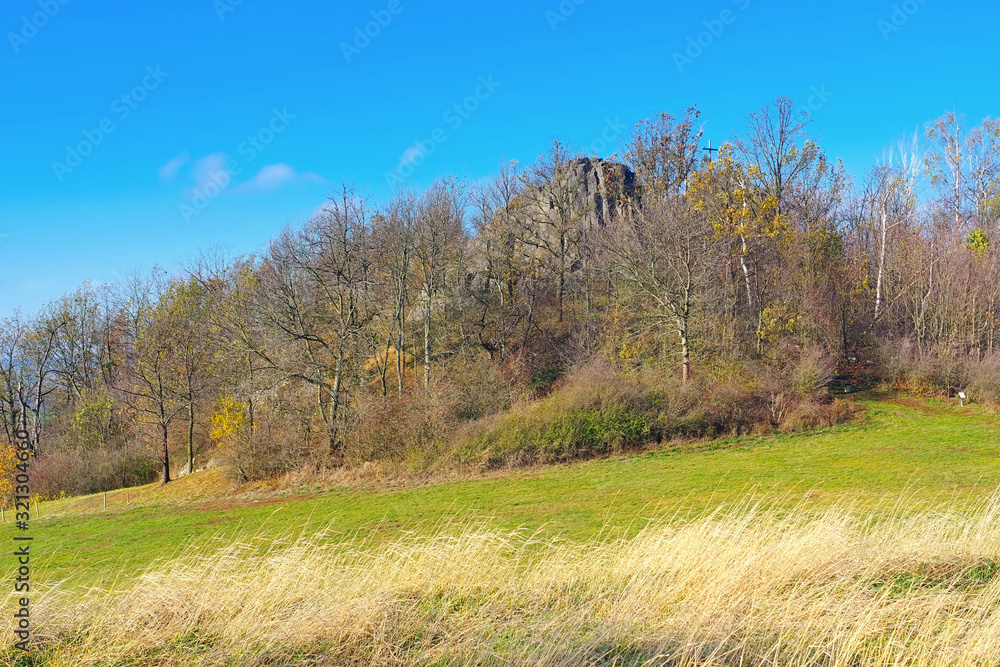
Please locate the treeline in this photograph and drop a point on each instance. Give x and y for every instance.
(571, 307)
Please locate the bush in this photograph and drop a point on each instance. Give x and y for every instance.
(411, 431)
(906, 368)
(561, 434)
(73, 473)
(592, 412)
(984, 381)
(810, 375)
(274, 444)
(596, 410)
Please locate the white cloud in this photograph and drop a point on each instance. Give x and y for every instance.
(209, 174)
(208, 168)
(170, 169)
(273, 176)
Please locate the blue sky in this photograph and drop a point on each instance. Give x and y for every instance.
(139, 133)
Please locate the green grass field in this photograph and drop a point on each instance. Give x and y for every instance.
(871, 543)
(925, 451)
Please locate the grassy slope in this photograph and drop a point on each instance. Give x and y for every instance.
(925, 449)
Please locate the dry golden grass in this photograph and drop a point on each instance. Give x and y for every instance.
(747, 585)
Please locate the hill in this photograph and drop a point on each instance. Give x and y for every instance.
(879, 535)
(925, 450)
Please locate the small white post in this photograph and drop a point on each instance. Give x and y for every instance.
(2, 518)
(961, 399)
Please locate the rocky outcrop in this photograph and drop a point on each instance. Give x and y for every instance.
(603, 186)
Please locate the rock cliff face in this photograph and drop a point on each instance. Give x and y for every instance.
(556, 217)
(602, 185)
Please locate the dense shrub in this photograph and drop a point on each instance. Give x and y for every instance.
(278, 445)
(413, 430)
(814, 414)
(73, 473)
(905, 367)
(984, 381)
(597, 410)
(811, 373)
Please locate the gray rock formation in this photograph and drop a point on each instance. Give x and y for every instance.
(602, 185)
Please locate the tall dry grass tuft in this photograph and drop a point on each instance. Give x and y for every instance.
(749, 585)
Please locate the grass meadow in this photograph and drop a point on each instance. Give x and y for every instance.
(871, 543)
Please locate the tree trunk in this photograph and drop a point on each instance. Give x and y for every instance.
(250, 424)
(399, 361)
(502, 323)
(529, 320)
(191, 437)
(744, 251)
(562, 274)
(335, 407)
(427, 341)
(166, 453)
(881, 263)
(125, 464)
(685, 356)
(384, 370)
(921, 326)
(190, 426)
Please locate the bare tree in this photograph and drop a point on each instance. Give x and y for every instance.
(186, 306)
(26, 367)
(438, 235)
(745, 220)
(311, 291)
(502, 268)
(776, 143)
(983, 148)
(947, 164)
(393, 241)
(152, 384)
(888, 203)
(661, 252)
(553, 218)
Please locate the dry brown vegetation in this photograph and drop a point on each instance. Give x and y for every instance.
(746, 585)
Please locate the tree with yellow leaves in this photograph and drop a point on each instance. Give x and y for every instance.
(743, 217)
(8, 466)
